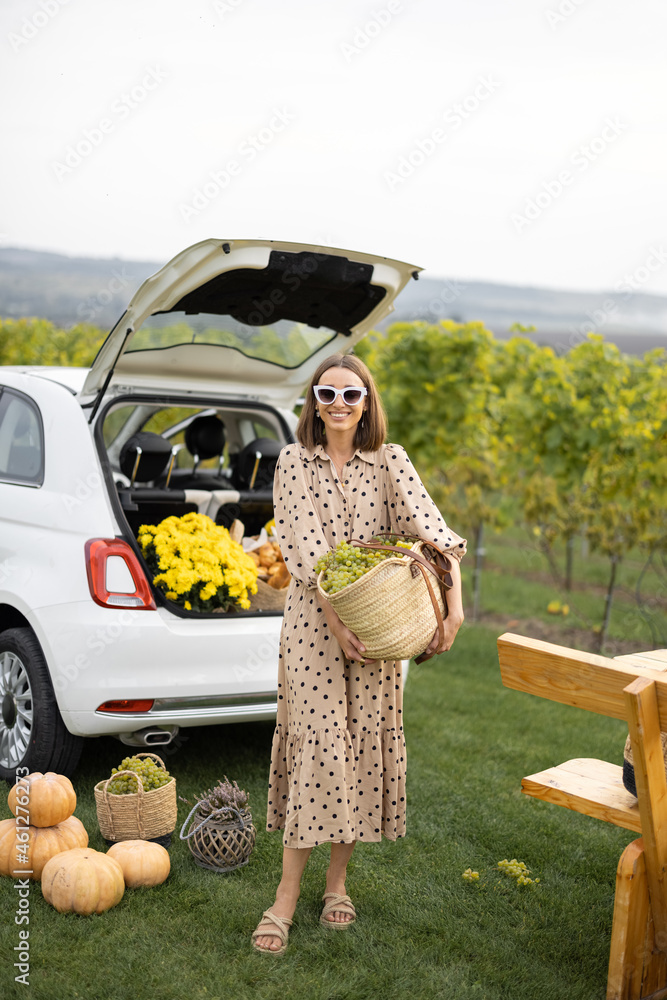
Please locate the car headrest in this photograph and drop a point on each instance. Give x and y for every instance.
(155, 455)
(205, 437)
(269, 451)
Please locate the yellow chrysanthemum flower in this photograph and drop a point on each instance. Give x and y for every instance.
(196, 563)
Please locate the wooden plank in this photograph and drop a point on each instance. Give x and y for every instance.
(572, 677)
(631, 943)
(644, 725)
(585, 785)
(651, 659)
(654, 984)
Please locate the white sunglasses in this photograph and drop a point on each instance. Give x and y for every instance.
(351, 395)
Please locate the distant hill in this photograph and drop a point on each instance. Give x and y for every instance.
(69, 290)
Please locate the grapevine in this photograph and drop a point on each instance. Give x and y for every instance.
(346, 563)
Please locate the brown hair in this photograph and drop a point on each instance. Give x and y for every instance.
(371, 429)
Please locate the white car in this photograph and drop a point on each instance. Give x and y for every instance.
(184, 409)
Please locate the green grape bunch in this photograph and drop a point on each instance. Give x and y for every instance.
(149, 772)
(347, 563)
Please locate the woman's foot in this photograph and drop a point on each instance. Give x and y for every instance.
(338, 912)
(271, 939)
(271, 934)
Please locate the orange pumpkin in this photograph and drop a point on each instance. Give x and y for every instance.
(44, 799)
(82, 881)
(144, 864)
(36, 844)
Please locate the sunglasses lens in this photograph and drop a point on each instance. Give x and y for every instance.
(325, 395)
(352, 396)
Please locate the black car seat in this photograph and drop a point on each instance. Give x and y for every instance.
(146, 458)
(204, 439)
(256, 465)
(252, 477)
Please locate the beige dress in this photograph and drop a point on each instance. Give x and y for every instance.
(338, 759)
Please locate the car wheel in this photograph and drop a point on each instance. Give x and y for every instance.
(32, 732)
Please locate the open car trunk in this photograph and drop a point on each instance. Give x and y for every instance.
(192, 459)
(239, 326)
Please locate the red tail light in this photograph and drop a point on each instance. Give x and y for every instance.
(127, 705)
(115, 576)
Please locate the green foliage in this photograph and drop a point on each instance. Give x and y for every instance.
(440, 389)
(39, 342)
(577, 443)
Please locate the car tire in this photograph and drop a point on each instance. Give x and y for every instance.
(32, 732)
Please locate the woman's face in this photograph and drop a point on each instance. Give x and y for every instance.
(338, 416)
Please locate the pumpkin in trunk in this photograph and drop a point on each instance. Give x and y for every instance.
(82, 881)
(144, 864)
(44, 799)
(24, 850)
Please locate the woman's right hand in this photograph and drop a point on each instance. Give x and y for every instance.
(352, 647)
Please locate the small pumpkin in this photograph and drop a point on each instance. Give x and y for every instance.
(45, 799)
(82, 881)
(144, 864)
(24, 850)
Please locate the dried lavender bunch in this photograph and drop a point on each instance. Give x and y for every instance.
(224, 795)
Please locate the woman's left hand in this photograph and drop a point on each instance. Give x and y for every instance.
(454, 619)
(451, 627)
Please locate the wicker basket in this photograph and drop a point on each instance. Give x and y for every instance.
(139, 815)
(390, 607)
(221, 845)
(268, 598)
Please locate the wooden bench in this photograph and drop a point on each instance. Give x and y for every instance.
(633, 688)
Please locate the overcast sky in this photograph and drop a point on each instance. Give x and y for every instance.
(519, 141)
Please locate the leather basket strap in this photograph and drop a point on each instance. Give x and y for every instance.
(423, 657)
(440, 572)
(442, 559)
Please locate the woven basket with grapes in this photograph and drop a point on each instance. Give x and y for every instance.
(220, 831)
(138, 801)
(390, 592)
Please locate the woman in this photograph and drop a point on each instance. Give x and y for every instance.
(338, 756)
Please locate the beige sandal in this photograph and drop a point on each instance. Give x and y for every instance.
(337, 904)
(272, 926)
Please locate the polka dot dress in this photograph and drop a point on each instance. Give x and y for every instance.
(338, 759)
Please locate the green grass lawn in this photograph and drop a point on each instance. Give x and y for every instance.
(422, 931)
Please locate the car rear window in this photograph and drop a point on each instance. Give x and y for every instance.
(282, 343)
